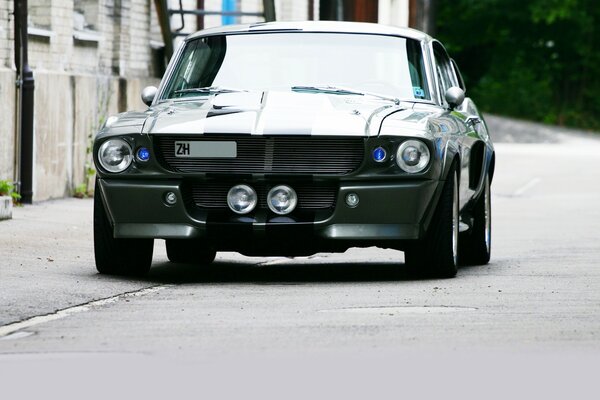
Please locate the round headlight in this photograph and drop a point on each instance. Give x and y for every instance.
(282, 199)
(115, 155)
(242, 199)
(412, 156)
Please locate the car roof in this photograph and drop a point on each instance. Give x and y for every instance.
(314, 26)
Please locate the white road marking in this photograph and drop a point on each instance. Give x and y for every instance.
(526, 187)
(17, 335)
(401, 309)
(66, 312)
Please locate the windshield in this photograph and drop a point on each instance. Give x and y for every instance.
(386, 65)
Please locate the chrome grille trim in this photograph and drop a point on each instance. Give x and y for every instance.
(213, 195)
(290, 155)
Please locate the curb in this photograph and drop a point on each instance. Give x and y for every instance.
(6, 207)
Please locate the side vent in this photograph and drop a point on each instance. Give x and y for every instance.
(476, 164)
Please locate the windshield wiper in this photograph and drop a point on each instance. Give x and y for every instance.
(208, 90)
(343, 91)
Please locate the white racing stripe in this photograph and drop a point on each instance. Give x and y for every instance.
(66, 312)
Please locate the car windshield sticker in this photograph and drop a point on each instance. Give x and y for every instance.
(418, 92)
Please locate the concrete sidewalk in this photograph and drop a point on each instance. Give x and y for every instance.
(47, 260)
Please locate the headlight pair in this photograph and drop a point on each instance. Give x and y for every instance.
(116, 155)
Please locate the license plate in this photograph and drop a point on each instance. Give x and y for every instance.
(206, 149)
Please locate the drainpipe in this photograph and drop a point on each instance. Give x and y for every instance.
(311, 10)
(200, 18)
(25, 88)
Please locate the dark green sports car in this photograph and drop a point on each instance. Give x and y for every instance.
(296, 138)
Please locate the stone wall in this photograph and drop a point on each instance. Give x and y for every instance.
(90, 58)
(7, 123)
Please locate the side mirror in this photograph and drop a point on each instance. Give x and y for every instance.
(454, 97)
(148, 95)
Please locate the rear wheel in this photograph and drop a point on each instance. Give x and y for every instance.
(476, 244)
(189, 251)
(131, 257)
(437, 254)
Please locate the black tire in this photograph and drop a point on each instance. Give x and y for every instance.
(189, 251)
(476, 243)
(130, 257)
(437, 254)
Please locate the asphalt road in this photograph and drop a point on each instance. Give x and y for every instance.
(533, 313)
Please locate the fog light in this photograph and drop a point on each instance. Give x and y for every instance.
(352, 200)
(170, 198)
(282, 199)
(143, 154)
(379, 154)
(241, 199)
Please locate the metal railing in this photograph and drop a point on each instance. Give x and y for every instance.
(169, 34)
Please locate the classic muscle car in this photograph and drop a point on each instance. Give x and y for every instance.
(295, 138)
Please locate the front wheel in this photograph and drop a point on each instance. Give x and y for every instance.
(437, 254)
(131, 257)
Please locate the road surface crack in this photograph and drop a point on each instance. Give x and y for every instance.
(66, 312)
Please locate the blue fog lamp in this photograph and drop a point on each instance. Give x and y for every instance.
(379, 154)
(143, 154)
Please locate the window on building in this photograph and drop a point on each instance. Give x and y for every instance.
(39, 22)
(85, 21)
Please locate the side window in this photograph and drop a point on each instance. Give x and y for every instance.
(461, 82)
(444, 69)
(416, 68)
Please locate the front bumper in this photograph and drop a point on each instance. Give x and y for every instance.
(387, 211)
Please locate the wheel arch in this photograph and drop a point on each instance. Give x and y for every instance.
(451, 156)
(491, 164)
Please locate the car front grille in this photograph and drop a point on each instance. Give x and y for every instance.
(289, 155)
(311, 196)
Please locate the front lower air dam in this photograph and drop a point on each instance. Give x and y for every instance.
(242, 199)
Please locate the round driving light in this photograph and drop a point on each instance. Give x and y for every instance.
(242, 199)
(282, 199)
(413, 156)
(115, 155)
(352, 200)
(143, 154)
(379, 154)
(170, 198)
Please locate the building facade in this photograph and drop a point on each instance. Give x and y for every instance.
(90, 60)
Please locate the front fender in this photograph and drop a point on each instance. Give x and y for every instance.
(450, 152)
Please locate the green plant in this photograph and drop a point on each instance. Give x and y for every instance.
(83, 190)
(535, 59)
(8, 189)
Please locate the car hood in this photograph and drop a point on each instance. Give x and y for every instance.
(273, 113)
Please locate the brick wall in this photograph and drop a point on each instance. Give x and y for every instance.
(90, 59)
